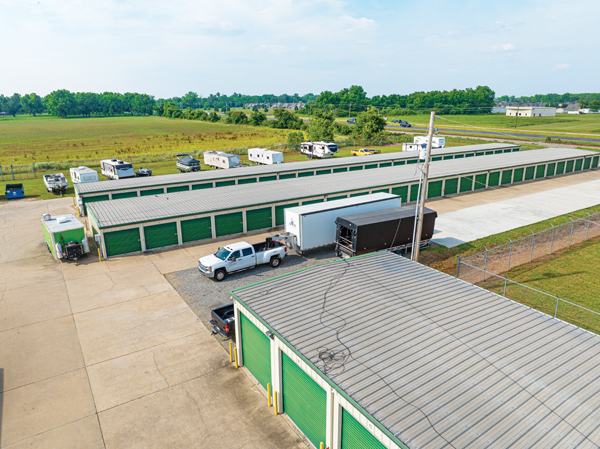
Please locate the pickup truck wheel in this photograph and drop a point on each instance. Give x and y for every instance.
(275, 261)
(220, 275)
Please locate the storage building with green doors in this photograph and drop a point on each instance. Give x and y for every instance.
(87, 193)
(142, 223)
(383, 352)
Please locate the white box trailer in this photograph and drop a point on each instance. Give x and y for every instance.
(264, 156)
(218, 159)
(83, 174)
(312, 226)
(436, 142)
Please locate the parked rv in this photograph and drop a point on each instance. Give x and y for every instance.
(116, 169)
(13, 191)
(384, 229)
(318, 149)
(186, 163)
(241, 256)
(56, 183)
(436, 142)
(313, 226)
(218, 159)
(264, 156)
(82, 174)
(65, 236)
(407, 146)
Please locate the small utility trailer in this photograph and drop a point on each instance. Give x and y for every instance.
(384, 229)
(14, 191)
(65, 236)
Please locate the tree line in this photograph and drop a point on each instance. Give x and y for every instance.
(554, 99)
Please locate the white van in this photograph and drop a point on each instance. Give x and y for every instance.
(116, 169)
(83, 174)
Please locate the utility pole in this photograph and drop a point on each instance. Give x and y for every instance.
(517, 114)
(423, 191)
(349, 108)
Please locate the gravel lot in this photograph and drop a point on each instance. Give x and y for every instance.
(203, 294)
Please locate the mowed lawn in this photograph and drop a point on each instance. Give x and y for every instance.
(26, 139)
(571, 274)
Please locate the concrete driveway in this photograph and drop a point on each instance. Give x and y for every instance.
(106, 354)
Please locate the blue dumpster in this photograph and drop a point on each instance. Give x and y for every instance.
(14, 191)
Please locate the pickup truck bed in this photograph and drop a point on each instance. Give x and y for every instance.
(223, 320)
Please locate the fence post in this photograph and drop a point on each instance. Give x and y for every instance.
(588, 226)
(571, 236)
(1, 173)
(505, 281)
(12, 172)
(458, 266)
(485, 263)
(552, 240)
(509, 254)
(556, 309)
(33, 166)
(532, 242)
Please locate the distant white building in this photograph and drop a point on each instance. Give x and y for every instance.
(498, 109)
(573, 112)
(530, 111)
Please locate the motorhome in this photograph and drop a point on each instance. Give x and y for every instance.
(319, 149)
(116, 169)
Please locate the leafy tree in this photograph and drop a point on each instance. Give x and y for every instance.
(236, 117)
(214, 117)
(285, 119)
(266, 109)
(61, 103)
(342, 129)
(257, 118)
(32, 104)
(294, 139)
(13, 105)
(321, 127)
(368, 125)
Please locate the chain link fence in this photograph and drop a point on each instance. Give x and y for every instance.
(487, 269)
(13, 172)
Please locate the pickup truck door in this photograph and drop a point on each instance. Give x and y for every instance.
(247, 259)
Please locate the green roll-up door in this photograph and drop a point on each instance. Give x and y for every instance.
(550, 169)
(178, 189)
(122, 242)
(529, 173)
(357, 194)
(118, 196)
(279, 214)
(324, 172)
(494, 179)
(229, 224)
(370, 166)
(435, 159)
(92, 199)
(412, 161)
(578, 164)
(470, 155)
(540, 171)
(560, 168)
(451, 186)
(246, 181)
(518, 175)
(459, 156)
(205, 185)
(304, 401)
(305, 203)
(340, 170)
(356, 168)
(381, 191)
(196, 229)
(481, 153)
(498, 152)
(434, 189)
(305, 174)
(514, 150)
(151, 192)
(487, 153)
(466, 184)
(385, 164)
(595, 161)
(508, 151)
(355, 436)
(333, 198)
(480, 181)
(258, 219)
(400, 163)
(267, 178)
(287, 175)
(402, 192)
(257, 351)
(569, 167)
(225, 183)
(161, 235)
(506, 177)
(414, 192)
(448, 157)
(587, 163)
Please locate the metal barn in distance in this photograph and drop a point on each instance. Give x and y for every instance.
(380, 352)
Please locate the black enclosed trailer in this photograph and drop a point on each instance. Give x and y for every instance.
(385, 229)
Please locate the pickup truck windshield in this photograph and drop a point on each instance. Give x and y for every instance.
(223, 253)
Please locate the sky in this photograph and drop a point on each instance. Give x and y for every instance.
(167, 48)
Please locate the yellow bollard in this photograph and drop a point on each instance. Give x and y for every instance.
(321, 446)
(230, 352)
(99, 255)
(73, 201)
(275, 402)
(236, 359)
(269, 394)
(78, 213)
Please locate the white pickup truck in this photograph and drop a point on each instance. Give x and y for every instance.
(241, 256)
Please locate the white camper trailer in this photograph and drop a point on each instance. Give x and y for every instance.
(319, 149)
(264, 156)
(83, 174)
(436, 142)
(115, 169)
(413, 146)
(218, 159)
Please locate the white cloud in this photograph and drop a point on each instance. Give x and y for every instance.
(560, 67)
(503, 47)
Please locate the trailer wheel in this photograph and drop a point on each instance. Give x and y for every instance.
(220, 275)
(275, 261)
(48, 246)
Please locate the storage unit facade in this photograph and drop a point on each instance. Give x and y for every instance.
(166, 220)
(157, 185)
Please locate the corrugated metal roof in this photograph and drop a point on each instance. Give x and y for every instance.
(384, 215)
(437, 361)
(155, 207)
(163, 180)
